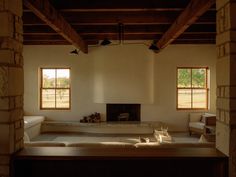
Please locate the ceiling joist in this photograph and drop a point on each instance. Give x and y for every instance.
(190, 14)
(54, 19)
(143, 17)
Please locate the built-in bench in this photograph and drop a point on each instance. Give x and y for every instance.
(34, 125)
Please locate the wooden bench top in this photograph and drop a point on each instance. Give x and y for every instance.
(115, 153)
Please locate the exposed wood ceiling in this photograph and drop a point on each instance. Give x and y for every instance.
(96, 20)
(47, 13)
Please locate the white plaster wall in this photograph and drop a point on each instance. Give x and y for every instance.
(123, 74)
(81, 77)
(97, 78)
(165, 64)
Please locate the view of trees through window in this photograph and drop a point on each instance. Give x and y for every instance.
(192, 88)
(55, 88)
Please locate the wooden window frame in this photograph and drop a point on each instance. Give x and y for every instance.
(55, 88)
(193, 88)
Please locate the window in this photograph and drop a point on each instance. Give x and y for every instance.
(55, 88)
(192, 88)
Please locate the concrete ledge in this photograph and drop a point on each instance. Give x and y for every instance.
(103, 127)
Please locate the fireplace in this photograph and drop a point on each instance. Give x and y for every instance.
(123, 112)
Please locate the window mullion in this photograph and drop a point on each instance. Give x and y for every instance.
(191, 88)
(41, 90)
(55, 88)
(206, 85)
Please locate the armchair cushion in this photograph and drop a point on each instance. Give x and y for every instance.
(198, 125)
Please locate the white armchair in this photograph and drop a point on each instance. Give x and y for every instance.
(198, 121)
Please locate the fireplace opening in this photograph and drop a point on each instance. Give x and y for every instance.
(123, 112)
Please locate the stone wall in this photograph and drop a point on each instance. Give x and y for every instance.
(11, 82)
(226, 81)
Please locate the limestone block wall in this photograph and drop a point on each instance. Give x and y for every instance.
(226, 80)
(11, 82)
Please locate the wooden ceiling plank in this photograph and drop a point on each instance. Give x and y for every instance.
(54, 42)
(54, 19)
(191, 13)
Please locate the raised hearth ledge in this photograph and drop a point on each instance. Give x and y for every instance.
(103, 127)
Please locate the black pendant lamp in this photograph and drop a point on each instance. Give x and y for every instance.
(105, 42)
(154, 47)
(74, 52)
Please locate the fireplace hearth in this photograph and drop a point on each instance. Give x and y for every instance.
(123, 112)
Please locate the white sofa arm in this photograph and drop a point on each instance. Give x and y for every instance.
(30, 121)
(32, 125)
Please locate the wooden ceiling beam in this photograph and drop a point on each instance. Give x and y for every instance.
(55, 20)
(64, 42)
(114, 29)
(195, 41)
(131, 36)
(100, 29)
(118, 10)
(90, 37)
(191, 13)
(97, 18)
(147, 36)
(110, 17)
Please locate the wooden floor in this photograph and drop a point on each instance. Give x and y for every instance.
(118, 162)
